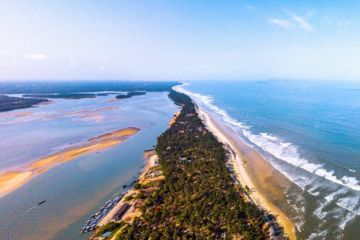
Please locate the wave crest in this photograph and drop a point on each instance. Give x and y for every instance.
(271, 144)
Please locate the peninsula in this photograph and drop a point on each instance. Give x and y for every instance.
(197, 197)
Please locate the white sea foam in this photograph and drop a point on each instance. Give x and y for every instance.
(342, 217)
(313, 191)
(319, 212)
(288, 152)
(318, 235)
(272, 144)
(350, 203)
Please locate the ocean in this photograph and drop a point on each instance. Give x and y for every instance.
(309, 131)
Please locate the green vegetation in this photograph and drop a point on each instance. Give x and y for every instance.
(110, 227)
(8, 87)
(11, 103)
(128, 197)
(197, 199)
(130, 94)
(137, 185)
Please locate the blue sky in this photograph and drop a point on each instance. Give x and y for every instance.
(179, 40)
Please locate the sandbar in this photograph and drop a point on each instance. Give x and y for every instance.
(14, 179)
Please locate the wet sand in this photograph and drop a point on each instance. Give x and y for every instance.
(173, 119)
(254, 172)
(14, 179)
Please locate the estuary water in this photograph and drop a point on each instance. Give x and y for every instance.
(74, 190)
(310, 132)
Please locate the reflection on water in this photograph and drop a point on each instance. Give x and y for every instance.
(74, 190)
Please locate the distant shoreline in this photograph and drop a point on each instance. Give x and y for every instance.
(13, 103)
(14, 179)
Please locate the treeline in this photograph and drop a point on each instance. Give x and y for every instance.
(32, 87)
(11, 103)
(63, 95)
(198, 199)
(130, 94)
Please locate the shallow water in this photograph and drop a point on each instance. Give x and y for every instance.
(309, 131)
(74, 190)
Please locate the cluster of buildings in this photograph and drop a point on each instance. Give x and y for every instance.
(155, 173)
(91, 224)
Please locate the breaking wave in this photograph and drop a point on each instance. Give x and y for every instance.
(274, 145)
(334, 202)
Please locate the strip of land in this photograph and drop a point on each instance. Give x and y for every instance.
(197, 199)
(240, 152)
(206, 189)
(129, 207)
(131, 197)
(147, 183)
(130, 94)
(14, 179)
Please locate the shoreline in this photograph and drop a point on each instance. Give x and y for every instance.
(242, 174)
(12, 180)
(150, 160)
(173, 119)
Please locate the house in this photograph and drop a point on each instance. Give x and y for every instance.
(106, 235)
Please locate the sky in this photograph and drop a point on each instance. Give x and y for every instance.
(179, 40)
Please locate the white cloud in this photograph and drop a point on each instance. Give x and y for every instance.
(302, 22)
(294, 20)
(35, 56)
(280, 22)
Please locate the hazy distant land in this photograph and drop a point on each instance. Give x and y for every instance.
(11, 103)
(56, 87)
(63, 95)
(130, 94)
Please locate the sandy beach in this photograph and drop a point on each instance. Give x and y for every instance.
(245, 159)
(14, 179)
(173, 119)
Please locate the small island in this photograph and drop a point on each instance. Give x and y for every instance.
(130, 94)
(11, 103)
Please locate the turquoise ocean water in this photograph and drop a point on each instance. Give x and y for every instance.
(310, 132)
